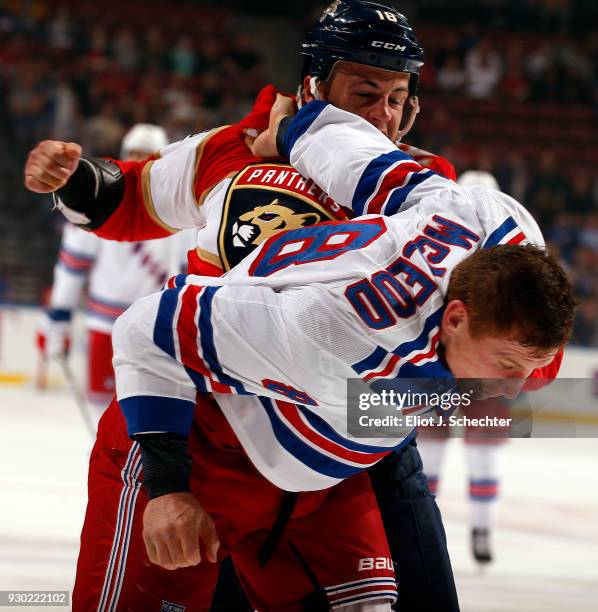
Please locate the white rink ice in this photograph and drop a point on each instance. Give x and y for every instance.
(546, 541)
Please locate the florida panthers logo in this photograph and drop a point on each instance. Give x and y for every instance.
(265, 199)
(262, 222)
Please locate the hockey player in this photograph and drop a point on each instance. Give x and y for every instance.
(212, 180)
(482, 446)
(449, 285)
(187, 187)
(116, 275)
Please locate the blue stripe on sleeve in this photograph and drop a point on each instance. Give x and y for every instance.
(369, 178)
(145, 413)
(306, 454)
(400, 194)
(300, 124)
(500, 232)
(371, 361)
(422, 340)
(208, 347)
(326, 430)
(179, 280)
(198, 380)
(163, 335)
(71, 270)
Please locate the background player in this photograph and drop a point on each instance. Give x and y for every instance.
(115, 274)
(482, 448)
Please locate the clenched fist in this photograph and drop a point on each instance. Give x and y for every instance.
(50, 165)
(173, 527)
(265, 143)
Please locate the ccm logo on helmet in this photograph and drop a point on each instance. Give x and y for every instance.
(387, 45)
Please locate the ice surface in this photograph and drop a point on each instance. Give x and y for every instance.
(546, 540)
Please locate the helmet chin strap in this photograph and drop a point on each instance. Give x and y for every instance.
(410, 119)
(313, 90)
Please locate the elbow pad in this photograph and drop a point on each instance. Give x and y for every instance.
(92, 193)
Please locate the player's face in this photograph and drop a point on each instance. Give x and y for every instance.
(488, 358)
(376, 95)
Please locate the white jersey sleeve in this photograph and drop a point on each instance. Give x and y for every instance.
(77, 255)
(214, 339)
(358, 166)
(167, 184)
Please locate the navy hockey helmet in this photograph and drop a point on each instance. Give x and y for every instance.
(364, 33)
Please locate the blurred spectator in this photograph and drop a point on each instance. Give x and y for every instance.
(588, 236)
(483, 69)
(451, 77)
(450, 46)
(554, 13)
(125, 49)
(60, 30)
(564, 234)
(244, 53)
(584, 272)
(98, 47)
(212, 89)
(582, 199)
(177, 96)
(28, 102)
(211, 53)
(102, 134)
(155, 52)
(548, 190)
(512, 174)
(65, 112)
(183, 59)
(513, 84)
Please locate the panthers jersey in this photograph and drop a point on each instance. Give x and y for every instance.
(213, 183)
(277, 338)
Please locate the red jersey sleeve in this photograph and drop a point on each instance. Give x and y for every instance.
(132, 220)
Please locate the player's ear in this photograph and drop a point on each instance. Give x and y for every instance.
(454, 316)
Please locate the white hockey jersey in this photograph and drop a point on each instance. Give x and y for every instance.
(116, 273)
(313, 307)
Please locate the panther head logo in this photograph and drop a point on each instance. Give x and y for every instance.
(259, 224)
